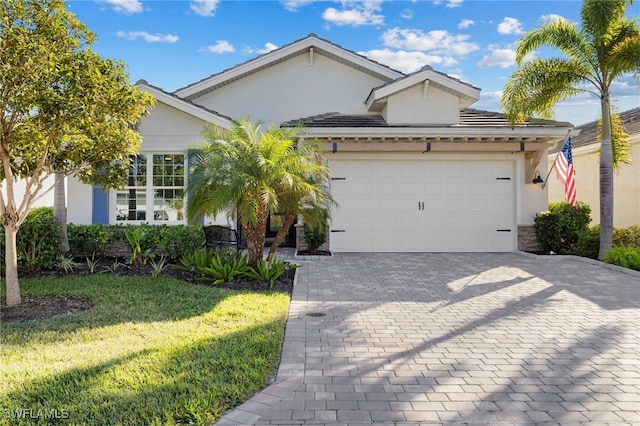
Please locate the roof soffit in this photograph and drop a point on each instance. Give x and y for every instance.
(297, 48)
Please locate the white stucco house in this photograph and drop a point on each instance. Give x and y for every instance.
(414, 167)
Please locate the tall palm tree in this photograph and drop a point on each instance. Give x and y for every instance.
(604, 49)
(245, 169)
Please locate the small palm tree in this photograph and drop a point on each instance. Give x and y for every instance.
(246, 170)
(604, 49)
(304, 192)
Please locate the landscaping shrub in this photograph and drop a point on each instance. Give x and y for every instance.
(89, 240)
(627, 257)
(38, 240)
(180, 240)
(588, 244)
(559, 228)
(315, 234)
(627, 237)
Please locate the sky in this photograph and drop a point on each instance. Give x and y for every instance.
(172, 44)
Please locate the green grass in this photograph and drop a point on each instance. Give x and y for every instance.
(151, 351)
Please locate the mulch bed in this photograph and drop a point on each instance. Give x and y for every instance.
(38, 308)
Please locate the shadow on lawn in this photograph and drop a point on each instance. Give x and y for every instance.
(193, 384)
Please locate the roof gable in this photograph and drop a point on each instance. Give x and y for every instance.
(308, 45)
(186, 106)
(427, 76)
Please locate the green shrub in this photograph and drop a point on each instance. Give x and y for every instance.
(225, 267)
(627, 237)
(38, 240)
(316, 225)
(588, 244)
(559, 228)
(627, 257)
(181, 240)
(89, 240)
(268, 270)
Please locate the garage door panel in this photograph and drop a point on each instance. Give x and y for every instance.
(423, 205)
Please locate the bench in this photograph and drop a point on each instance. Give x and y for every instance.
(221, 236)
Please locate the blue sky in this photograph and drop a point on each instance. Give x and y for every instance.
(172, 44)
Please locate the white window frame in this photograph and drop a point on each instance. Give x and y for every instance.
(149, 193)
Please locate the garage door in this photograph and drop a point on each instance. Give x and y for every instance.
(422, 205)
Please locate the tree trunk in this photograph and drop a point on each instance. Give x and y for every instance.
(60, 211)
(11, 265)
(282, 233)
(255, 236)
(606, 180)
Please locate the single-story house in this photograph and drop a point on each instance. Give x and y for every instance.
(586, 162)
(414, 167)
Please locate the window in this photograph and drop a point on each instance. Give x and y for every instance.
(154, 191)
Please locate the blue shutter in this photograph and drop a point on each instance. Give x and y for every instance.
(100, 207)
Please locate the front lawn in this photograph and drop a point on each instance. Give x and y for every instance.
(149, 351)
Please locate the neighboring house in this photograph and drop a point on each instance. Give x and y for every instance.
(586, 161)
(414, 168)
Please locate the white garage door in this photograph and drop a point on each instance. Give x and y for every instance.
(422, 205)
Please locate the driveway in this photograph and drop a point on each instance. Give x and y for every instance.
(456, 338)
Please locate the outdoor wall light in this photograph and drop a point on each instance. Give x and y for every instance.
(537, 178)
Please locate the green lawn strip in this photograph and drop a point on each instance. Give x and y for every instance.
(150, 351)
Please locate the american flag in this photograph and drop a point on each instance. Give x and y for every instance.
(566, 173)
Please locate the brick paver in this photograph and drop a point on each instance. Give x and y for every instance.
(424, 338)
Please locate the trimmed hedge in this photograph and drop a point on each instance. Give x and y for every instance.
(559, 228)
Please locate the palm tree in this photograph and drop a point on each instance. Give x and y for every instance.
(304, 192)
(245, 170)
(604, 49)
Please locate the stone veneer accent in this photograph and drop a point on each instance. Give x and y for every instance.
(301, 244)
(527, 240)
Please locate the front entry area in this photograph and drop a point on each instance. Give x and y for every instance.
(423, 204)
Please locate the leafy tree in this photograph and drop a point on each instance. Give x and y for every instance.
(250, 171)
(604, 49)
(65, 110)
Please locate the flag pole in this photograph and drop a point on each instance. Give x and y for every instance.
(554, 163)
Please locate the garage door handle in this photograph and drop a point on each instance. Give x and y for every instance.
(338, 230)
(503, 178)
(503, 230)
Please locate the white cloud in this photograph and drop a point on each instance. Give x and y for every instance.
(204, 7)
(450, 3)
(408, 62)
(355, 14)
(552, 18)
(502, 58)
(149, 38)
(268, 47)
(438, 41)
(407, 14)
(124, 6)
(221, 46)
(466, 23)
(510, 26)
(294, 5)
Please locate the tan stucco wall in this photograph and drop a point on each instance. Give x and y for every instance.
(626, 210)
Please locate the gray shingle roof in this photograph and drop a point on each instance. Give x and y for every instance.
(630, 122)
(468, 118)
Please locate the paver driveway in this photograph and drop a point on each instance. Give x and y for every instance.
(456, 339)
